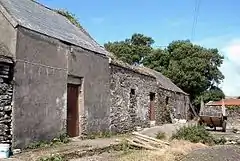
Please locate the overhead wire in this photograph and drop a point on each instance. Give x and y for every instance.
(195, 18)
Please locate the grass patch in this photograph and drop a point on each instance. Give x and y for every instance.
(175, 152)
(161, 135)
(220, 141)
(61, 139)
(195, 134)
(56, 157)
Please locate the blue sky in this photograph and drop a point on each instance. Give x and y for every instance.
(218, 25)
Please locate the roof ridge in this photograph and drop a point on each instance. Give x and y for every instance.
(42, 5)
(38, 17)
(51, 9)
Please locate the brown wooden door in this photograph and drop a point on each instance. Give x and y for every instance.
(152, 107)
(72, 110)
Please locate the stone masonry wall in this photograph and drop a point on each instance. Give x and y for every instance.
(171, 105)
(130, 99)
(6, 93)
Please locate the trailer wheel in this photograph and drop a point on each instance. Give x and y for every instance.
(224, 126)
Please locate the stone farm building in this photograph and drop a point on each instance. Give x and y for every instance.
(55, 78)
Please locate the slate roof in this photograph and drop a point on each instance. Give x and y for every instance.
(163, 81)
(39, 18)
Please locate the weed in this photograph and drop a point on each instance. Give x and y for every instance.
(61, 139)
(52, 158)
(161, 135)
(220, 141)
(194, 134)
(124, 145)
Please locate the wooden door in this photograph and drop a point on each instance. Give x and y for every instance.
(72, 110)
(151, 107)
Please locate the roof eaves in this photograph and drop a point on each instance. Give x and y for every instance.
(6, 14)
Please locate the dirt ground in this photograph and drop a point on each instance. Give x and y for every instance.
(217, 153)
(177, 150)
(75, 147)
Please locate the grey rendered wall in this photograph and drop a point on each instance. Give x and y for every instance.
(122, 81)
(94, 70)
(8, 36)
(40, 88)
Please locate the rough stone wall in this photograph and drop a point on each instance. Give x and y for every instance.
(128, 112)
(165, 106)
(233, 117)
(6, 94)
(171, 105)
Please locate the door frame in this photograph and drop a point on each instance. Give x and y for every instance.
(78, 81)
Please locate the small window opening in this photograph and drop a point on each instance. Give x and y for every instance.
(167, 100)
(152, 96)
(132, 92)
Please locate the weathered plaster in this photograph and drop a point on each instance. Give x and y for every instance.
(8, 36)
(40, 80)
(94, 70)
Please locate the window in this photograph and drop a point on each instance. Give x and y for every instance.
(132, 92)
(152, 96)
(167, 100)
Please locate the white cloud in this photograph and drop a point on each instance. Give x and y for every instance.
(230, 48)
(232, 51)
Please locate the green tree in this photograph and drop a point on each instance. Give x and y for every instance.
(193, 68)
(212, 94)
(131, 50)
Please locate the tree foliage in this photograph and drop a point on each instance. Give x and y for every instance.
(212, 94)
(193, 68)
(131, 50)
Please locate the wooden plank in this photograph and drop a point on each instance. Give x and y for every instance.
(150, 138)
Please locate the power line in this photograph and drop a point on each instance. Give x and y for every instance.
(195, 18)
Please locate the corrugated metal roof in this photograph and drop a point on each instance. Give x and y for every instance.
(41, 19)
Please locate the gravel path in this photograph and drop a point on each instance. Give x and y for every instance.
(217, 153)
(168, 129)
